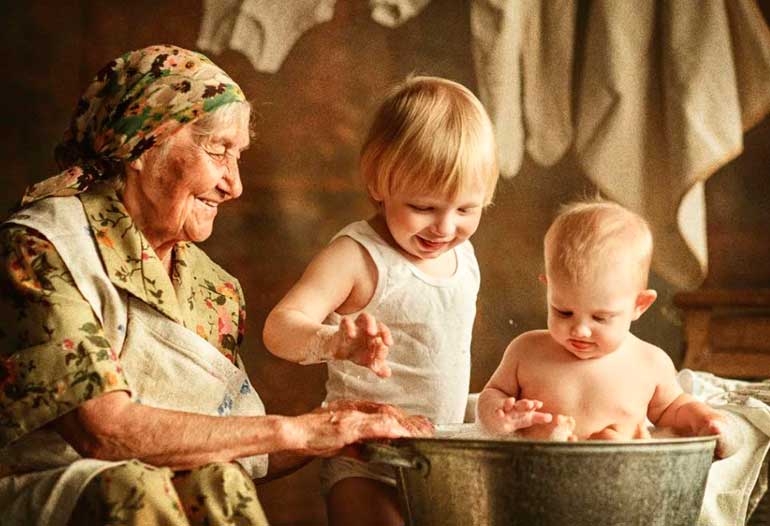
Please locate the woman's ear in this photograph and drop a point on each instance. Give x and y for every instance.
(643, 301)
(542, 279)
(137, 164)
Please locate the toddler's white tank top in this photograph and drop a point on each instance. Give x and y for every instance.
(431, 320)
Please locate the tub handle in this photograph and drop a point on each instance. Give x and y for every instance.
(398, 457)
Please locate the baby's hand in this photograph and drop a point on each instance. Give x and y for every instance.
(364, 341)
(730, 437)
(517, 414)
(560, 428)
(613, 432)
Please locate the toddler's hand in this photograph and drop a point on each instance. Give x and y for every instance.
(364, 341)
(517, 414)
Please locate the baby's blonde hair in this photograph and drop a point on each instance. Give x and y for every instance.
(430, 135)
(591, 236)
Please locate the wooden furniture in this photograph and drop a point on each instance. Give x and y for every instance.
(727, 331)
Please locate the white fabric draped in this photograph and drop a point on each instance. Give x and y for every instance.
(651, 97)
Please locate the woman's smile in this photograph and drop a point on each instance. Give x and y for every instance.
(207, 202)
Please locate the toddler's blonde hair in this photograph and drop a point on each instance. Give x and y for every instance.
(430, 135)
(594, 236)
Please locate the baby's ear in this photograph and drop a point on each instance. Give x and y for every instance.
(643, 301)
(542, 279)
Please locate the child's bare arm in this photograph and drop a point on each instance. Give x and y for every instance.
(688, 415)
(671, 407)
(692, 417)
(294, 329)
(498, 408)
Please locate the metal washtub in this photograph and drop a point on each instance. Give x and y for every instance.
(468, 482)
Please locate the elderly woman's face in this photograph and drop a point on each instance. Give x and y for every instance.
(179, 192)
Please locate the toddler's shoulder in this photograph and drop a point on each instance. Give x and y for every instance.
(345, 252)
(344, 242)
(361, 238)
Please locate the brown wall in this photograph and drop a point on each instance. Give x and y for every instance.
(300, 174)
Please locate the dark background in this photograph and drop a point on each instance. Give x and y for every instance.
(299, 176)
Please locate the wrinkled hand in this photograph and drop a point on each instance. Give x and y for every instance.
(418, 425)
(326, 433)
(513, 415)
(364, 341)
(327, 430)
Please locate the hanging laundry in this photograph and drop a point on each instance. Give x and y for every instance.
(217, 24)
(393, 13)
(663, 103)
(266, 30)
(661, 95)
(263, 30)
(523, 56)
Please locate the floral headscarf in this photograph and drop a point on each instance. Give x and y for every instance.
(135, 102)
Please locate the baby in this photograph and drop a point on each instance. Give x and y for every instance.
(390, 302)
(587, 376)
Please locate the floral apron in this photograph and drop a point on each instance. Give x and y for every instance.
(167, 366)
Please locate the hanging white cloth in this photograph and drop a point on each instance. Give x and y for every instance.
(263, 30)
(523, 56)
(667, 90)
(266, 30)
(393, 13)
(662, 92)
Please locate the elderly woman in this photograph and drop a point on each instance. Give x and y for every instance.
(123, 396)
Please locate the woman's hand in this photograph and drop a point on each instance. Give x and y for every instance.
(325, 434)
(363, 341)
(418, 425)
(327, 430)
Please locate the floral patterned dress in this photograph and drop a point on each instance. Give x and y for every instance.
(79, 281)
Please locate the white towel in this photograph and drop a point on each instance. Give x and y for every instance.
(734, 486)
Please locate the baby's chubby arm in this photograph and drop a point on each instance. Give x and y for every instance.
(672, 407)
(498, 409)
(341, 274)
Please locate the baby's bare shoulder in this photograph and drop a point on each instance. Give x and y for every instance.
(524, 349)
(530, 340)
(651, 355)
(529, 346)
